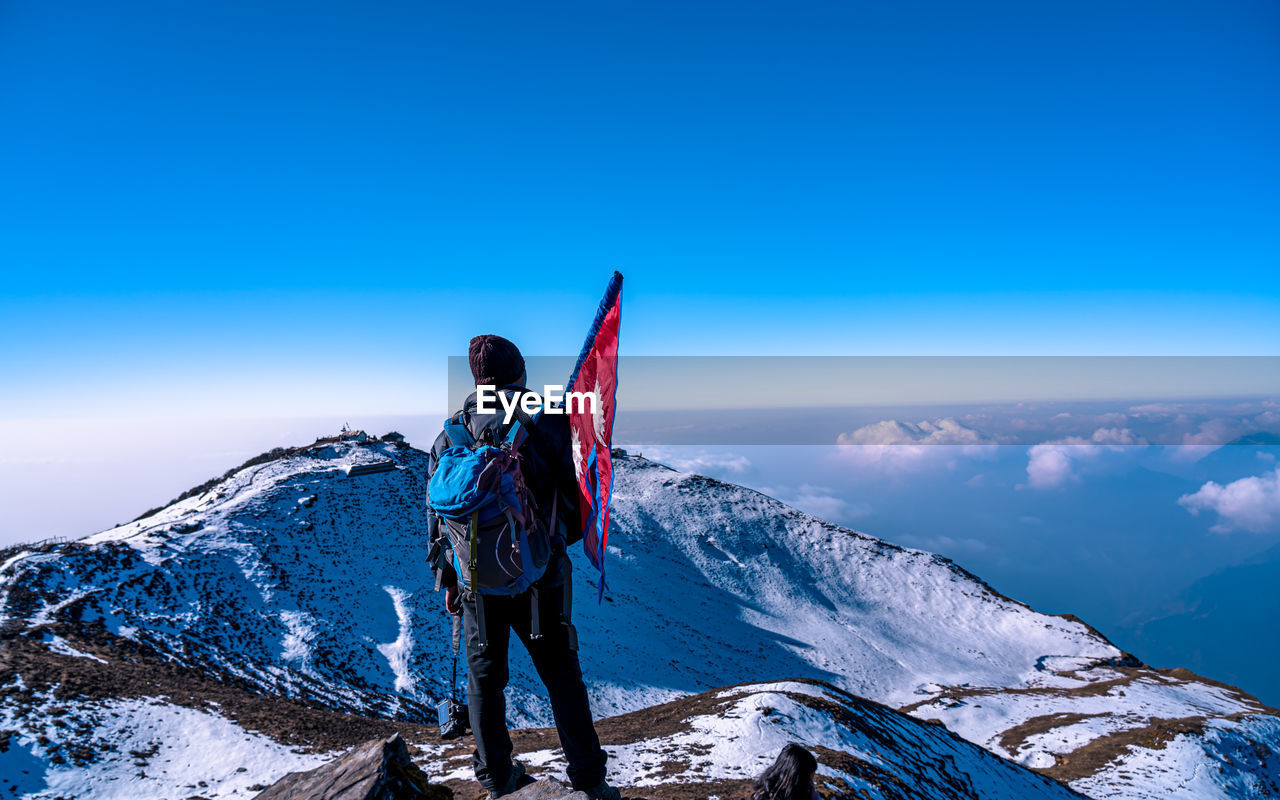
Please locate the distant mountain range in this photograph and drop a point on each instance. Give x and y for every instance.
(1233, 608)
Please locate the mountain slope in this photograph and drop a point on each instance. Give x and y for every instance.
(92, 718)
(299, 577)
(913, 630)
(721, 739)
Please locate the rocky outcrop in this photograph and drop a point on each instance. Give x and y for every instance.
(377, 770)
(548, 789)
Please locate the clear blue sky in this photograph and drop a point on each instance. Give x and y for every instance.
(208, 207)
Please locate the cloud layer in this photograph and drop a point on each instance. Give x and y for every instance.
(903, 446)
(1053, 464)
(1249, 503)
(702, 462)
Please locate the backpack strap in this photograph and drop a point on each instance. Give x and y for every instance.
(520, 429)
(473, 563)
(535, 617)
(555, 503)
(458, 432)
(482, 631)
(567, 571)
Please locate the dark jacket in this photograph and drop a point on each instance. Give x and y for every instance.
(547, 466)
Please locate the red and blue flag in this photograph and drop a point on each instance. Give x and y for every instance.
(591, 423)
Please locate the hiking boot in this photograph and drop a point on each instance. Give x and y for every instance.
(603, 791)
(518, 779)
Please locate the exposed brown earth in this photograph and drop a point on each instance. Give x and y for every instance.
(133, 672)
(1013, 738)
(1154, 733)
(1103, 751)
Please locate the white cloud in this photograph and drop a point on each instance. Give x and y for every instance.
(1249, 503)
(1116, 436)
(1267, 419)
(886, 432)
(950, 545)
(1211, 435)
(1053, 464)
(1050, 465)
(820, 502)
(1191, 453)
(1113, 418)
(905, 445)
(1155, 410)
(702, 462)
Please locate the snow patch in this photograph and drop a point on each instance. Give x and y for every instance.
(59, 645)
(398, 652)
(9, 562)
(185, 748)
(299, 633)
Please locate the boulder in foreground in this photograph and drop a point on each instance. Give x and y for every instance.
(377, 770)
(548, 789)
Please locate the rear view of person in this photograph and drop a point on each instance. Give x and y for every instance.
(504, 498)
(790, 777)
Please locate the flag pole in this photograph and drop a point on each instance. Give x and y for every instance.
(592, 433)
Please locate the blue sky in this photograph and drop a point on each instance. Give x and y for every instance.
(290, 214)
(233, 197)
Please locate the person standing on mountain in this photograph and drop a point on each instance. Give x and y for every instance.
(504, 586)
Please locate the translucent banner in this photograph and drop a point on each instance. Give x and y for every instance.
(968, 401)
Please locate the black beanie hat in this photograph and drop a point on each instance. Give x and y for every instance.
(494, 361)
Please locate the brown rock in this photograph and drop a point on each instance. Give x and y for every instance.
(377, 770)
(547, 789)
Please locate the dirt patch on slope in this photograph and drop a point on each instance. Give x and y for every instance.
(1014, 738)
(1102, 752)
(133, 672)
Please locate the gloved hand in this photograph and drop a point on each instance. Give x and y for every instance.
(453, 600)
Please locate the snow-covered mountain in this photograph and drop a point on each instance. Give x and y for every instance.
(301, 576)
(126, 725)
(716, 741)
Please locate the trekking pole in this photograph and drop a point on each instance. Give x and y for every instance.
(451, 714)
(457, 642)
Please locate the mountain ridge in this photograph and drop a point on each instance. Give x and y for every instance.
(298, 578)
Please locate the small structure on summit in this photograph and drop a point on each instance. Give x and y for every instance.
(349, 434)
(369, 467)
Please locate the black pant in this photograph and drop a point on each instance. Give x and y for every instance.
(555, 656)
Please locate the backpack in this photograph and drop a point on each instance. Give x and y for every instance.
(480, 496)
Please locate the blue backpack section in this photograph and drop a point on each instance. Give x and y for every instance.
(478, 492)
